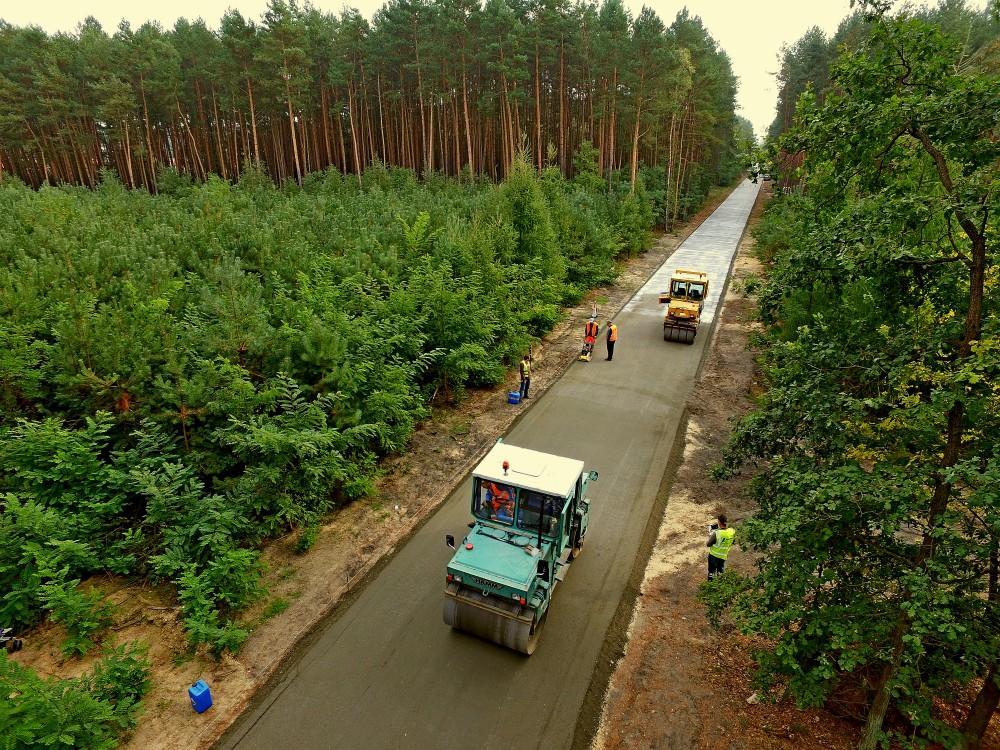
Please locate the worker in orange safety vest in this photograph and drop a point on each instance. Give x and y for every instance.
(612, 338)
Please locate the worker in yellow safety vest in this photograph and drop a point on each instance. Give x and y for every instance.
(612, 338)
(720, 541)
(525, 376)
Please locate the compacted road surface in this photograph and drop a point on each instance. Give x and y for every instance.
(388, 673)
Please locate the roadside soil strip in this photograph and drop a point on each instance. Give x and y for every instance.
(304, 589)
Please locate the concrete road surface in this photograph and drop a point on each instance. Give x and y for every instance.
(388, 673)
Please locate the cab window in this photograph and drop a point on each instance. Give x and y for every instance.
(678, 289)
(696, 292)
(495, 501)
(534, 506)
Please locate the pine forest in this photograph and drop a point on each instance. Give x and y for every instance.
(448, 86)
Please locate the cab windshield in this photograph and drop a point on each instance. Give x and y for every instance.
(495, 501)
(535, 506)
(696, 292)
(678, 289)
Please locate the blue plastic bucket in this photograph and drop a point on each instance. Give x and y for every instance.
(514, 397)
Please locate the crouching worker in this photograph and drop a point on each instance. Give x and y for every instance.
(720, 541)
(590, 332)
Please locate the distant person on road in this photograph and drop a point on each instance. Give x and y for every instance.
(525, 375)
(720, 541)
(612, 338)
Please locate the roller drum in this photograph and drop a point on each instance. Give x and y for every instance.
(492, 618)
(679, 334)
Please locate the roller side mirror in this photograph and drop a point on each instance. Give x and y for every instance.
(450, 541)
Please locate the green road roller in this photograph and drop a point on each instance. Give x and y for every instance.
(530, 516)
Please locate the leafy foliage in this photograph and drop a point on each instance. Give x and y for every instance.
(878, 525)
(90, 713)
(83, 614)
(194, 372)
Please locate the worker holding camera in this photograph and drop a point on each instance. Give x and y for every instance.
(720, 540)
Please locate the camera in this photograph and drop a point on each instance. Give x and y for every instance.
(713, 527)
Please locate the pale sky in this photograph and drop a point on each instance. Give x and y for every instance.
(752, 33)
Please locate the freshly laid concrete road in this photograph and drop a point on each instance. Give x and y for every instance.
(388, 673)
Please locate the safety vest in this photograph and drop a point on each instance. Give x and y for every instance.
(591, 329)
(612, 333)
(525, 368)
(723, 542)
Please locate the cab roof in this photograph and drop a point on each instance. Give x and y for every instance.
(530, 470)
(688, 275)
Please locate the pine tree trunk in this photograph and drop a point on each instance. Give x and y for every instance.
(182, 122)
(343, 148)
(381, 120)
(635, 132)
(613, 119)
(253, 123)
(354, 136)
(203, 127)
(218, 136)
(145, 118)
(430, 140)
(424, 145)
(465, 111)
(41, 151)
(680, 166)
(325, 113)
(538, 107)
(602, 131)
(563, 160)
(291, 126)
(667, 222)
(455, 135)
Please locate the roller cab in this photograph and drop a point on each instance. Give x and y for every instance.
(684, 300)
(530, 518)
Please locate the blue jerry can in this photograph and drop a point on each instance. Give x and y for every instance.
(201, 696)
(513, 397)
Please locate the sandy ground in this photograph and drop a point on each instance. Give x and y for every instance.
(353, 543)
(681, 684)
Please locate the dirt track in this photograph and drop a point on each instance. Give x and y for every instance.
(387, 673)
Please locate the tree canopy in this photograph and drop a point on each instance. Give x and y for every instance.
(879, 518)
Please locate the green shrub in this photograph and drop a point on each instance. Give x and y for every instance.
(91, 713)
(121, 679)
(84, 614)
(307, 537)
